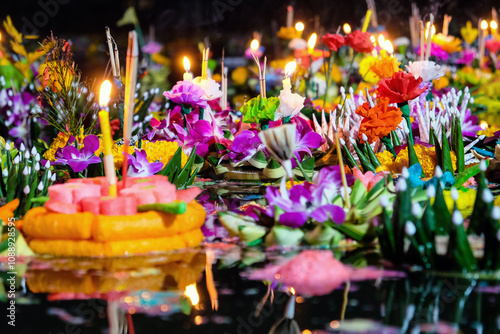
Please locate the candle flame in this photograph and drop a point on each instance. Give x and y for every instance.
(289, 68)
(433, 31)
(312, 42)
(493, 25)
(254, 45)
(105, 93)
(192, 294)
(484, 25)
(299, 26)
(381, 40)
(388, 46)
(292, 290)
(372, 38)
(347, 28)
(187, 64)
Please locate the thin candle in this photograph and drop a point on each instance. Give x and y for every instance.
(289, 69)
(204, 64)
(429, 38)
(482, 41)
(422, 38)
(109, 164)
(289, 16)
(367, 20)
(494, 27)
(299, 27)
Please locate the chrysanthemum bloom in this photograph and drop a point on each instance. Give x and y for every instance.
(360, 41)
(333, 41)
(378, 121)
(385, 66)
(400, 88)
(448, 43)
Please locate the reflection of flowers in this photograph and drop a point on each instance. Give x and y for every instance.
(140, 166)
(77, 159)
(378, 121)
(401, 87)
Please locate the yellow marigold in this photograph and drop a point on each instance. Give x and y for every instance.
(59, 142)
(385, 66)
(448, 43)
(441, 83)
(365, 70)
(160, 150)
(239, 75)
(426, 157)
(489, 131)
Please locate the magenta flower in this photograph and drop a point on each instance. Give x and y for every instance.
(245, 145)
(78, 160)
(306, 139)
(186, 92)
(468, 56)
(140, 166)
(152, 47)
(436, 51)
(308, 200)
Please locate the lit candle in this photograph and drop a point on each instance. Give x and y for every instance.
(494, 27)
(374, 51)
(367, 20)
(109, 164)
(254, 45)
(388, 47)
(311, 43)
(289, 16)
(430, 29)
(299, 27)
(187, 66)
(289, 69)
(347, 28)
(482, 41)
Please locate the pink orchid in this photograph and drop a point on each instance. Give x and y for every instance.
(368, 179)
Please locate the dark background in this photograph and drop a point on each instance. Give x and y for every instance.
(180, 25)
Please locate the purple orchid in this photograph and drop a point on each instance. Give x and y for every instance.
(245, 145)
(15, 110)
(170, 128)
(308, 200)
(306, 138)
(140, 166)
(186, 92)
(77, 159)
(470, 125)
(467, 58)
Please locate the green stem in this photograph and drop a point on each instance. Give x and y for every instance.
(308, 179)
(350, 68)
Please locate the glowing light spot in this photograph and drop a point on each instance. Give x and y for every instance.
(334, 324)
(198, 320)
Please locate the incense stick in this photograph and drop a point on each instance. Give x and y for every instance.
(342, 170)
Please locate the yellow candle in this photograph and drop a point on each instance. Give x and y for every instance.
(299, 27)
(311, 43)
(367, 20)
(494, 27)
(109, 164)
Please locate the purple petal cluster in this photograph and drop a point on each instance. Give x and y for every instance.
(78, 159)
(140, 166)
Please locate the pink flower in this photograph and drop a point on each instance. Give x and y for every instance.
(368, 179)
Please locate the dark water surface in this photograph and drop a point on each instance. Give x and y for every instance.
(148, 294)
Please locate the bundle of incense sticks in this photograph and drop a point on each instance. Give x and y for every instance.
(114, 57)
(130, 84)
(204, 64)
(262, 75)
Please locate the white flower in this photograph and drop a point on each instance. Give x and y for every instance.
(290, 104)
(426, 69)
(210, 86)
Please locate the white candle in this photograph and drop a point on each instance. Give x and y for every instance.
(187, 76)
(429, 38)
(289, 68)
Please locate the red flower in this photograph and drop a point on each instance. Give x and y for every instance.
(400, 88)
(333, 41)
(493, 45)
(360, 41)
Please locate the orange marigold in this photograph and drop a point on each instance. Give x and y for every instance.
(378, 121)
(385, 66)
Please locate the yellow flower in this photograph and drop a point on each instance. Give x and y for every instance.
(448, 43)
(385, 66)
(239, 75)
(365, 70)
(490, 131)
(468, 33)
(160, 150)
(426, 157)
(59, 142)
(441, 83)
(289, 184)
(335, 74)
(465, 202)
(217, 77)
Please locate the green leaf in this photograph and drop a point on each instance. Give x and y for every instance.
(459, 145)
(445, 153)
(176, 207)
(185, 173)
(258, 109)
